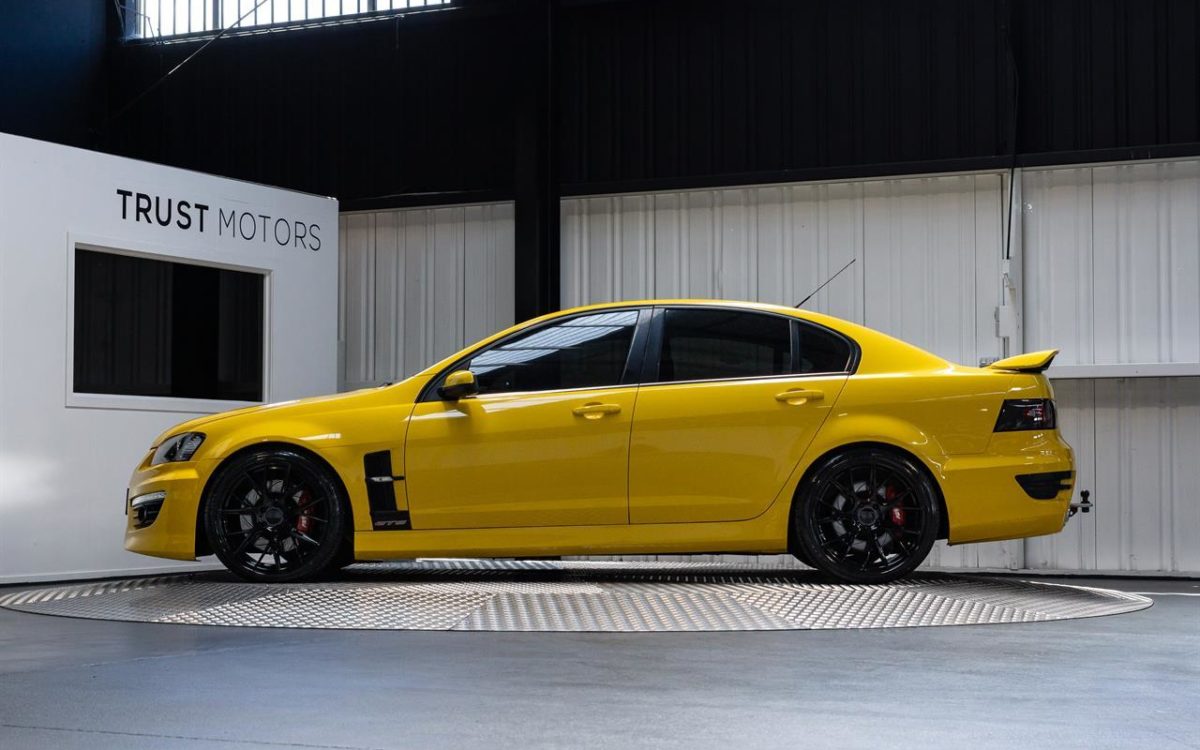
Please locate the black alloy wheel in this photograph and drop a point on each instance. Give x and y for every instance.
(866, 516)
(276, 516)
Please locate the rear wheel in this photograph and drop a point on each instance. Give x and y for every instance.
(866, 516)
(276, 515)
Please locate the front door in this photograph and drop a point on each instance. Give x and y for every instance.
(546, 441)
(736, 400)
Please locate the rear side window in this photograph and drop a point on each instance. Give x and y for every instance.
(588, 351)
(822, 351)
(712, 344)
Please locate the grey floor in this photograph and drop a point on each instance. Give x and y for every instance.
(1124, 681)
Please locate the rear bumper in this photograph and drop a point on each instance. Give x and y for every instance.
(1021, 487)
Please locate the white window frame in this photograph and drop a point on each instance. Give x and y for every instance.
(159, 252)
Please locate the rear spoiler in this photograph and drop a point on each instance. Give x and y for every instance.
(1031, 362)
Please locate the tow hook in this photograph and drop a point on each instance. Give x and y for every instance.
(1083, 506)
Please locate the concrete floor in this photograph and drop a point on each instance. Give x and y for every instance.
(1125, 681)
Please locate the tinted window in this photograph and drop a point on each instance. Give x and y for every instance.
(148, 327)
(822, 351)
(720, 344)
(583, 352)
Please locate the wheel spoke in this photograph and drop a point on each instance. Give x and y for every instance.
(311, 502)
(305, 537)
(297, 549)
(879, 549)
(284, 482)
(851, 539)
(250, 538)
(849, 494)
(256, 485)
(237, 511)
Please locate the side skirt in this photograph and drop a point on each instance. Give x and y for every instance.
(766, 534)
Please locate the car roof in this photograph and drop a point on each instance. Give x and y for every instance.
(838, 324)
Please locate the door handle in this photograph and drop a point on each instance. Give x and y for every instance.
(799, 396)
(596, 410)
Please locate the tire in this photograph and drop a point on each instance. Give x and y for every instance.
(277, 516)
(867, 515)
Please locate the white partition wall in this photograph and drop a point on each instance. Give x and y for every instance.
(927, 254)
(419, 284)
(1112, 277)
(67, 452)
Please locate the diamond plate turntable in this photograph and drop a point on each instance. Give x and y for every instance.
(540, 595)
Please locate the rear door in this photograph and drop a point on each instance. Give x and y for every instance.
(730, 399)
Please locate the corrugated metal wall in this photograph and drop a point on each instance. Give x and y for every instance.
(927, 251)
(1112, 256)
(1112, 277)
(1111, 259)
(1137, 441)
(419, 284)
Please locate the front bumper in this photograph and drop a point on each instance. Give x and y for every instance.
(172, 534)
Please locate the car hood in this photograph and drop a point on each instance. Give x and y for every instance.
(295, 407)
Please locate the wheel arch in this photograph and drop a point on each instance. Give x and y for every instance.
(202, 545)
(831, 453)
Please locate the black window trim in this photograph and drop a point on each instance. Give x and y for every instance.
(646, 346)
(634, 359)
(653, 355)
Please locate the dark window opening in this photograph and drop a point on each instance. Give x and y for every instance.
(822, 351)
(720, 344)
(161, 328)
(589, 351)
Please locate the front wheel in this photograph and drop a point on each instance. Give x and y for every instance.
(866, 516)
(276, 516)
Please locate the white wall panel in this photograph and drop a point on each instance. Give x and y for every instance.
(419, 284)
(1136, 443)
(1112, 259)
(927, 251)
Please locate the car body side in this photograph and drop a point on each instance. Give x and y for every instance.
(898, 396)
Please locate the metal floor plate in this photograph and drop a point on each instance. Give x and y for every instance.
(542, 595)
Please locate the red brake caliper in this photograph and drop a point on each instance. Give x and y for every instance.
(897, 513)
(303, 521)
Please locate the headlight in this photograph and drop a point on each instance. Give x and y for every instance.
(179, 447)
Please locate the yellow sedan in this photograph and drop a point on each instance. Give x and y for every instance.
(668, 426)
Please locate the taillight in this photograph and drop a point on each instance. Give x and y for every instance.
(1026, 414)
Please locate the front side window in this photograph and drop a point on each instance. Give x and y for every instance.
(588, 351)
(713, 344)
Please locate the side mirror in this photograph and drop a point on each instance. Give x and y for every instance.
(459, 384)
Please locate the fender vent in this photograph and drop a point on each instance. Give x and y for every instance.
(381, 495)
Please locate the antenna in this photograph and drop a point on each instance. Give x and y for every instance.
(831, 278)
